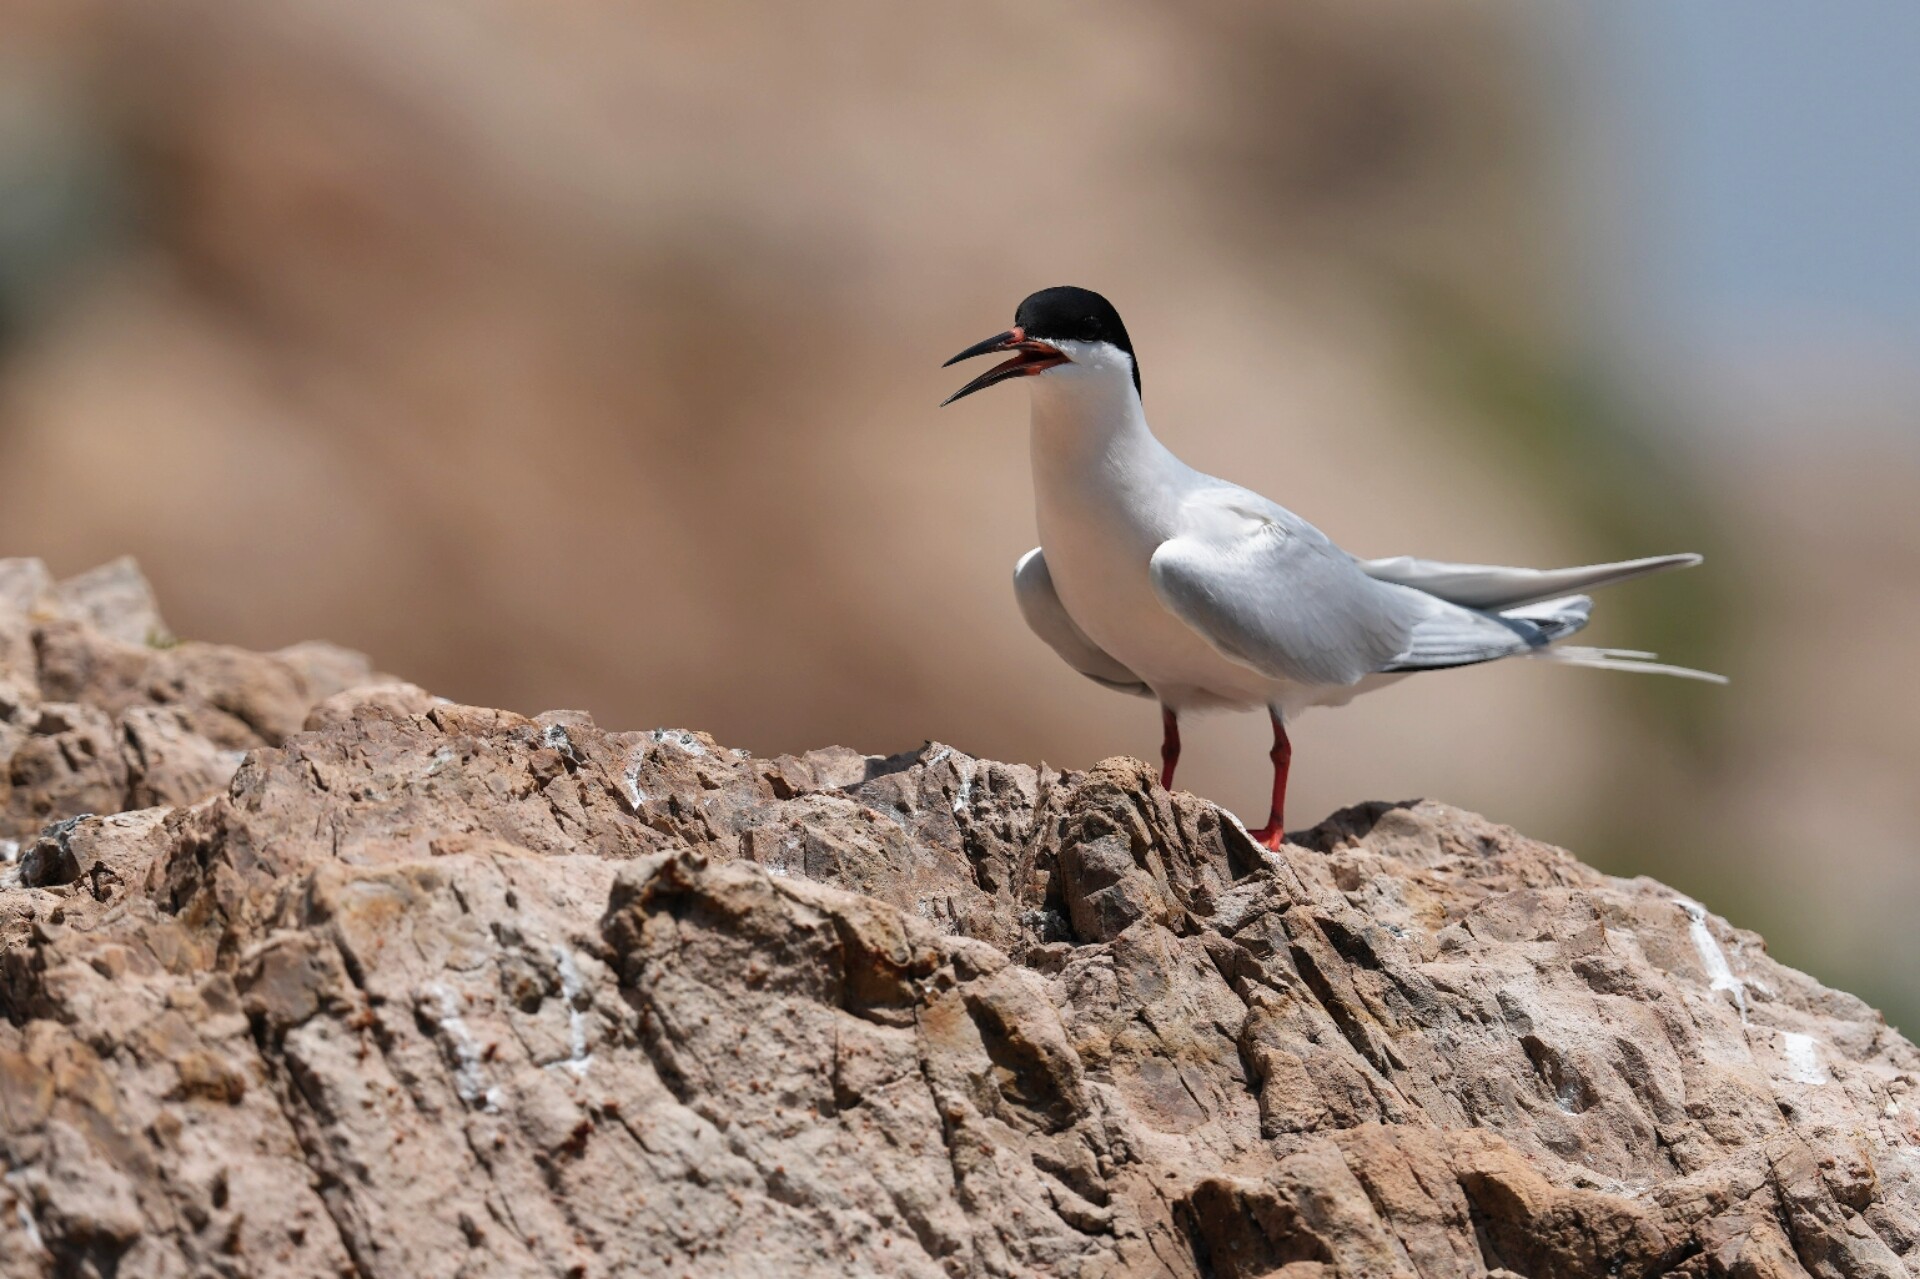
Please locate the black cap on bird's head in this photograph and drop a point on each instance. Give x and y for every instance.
(1045, 319)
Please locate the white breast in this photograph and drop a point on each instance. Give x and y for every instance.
(1106, 495)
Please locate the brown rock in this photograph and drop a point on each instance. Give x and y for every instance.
(432, 990)
(101, 710)
(114, 600)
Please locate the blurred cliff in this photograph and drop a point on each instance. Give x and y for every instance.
(586, 356)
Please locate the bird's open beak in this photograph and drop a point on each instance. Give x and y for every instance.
(1031, 356)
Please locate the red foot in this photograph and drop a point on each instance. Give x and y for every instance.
(1274, 833)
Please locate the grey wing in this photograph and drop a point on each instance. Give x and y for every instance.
(1269, 591)
(1494, 587)
(1048, 618)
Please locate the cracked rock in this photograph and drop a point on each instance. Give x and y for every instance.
(308, 974)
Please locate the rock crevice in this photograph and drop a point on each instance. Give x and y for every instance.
(305, 972)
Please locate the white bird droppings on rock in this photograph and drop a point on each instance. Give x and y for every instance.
(572, 987)
(469, 1080)
(1803, 1057)
(636, 797)
(1712, 958)
(24, 1214)
(681, 738)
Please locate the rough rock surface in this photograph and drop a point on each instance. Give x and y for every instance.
(428, 989)
(101, 711)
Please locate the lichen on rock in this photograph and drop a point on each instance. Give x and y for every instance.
(310, 973)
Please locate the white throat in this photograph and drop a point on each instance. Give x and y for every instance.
(1099, 475)
(1086, 408)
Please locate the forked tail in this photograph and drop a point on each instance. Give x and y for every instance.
(1619, 659)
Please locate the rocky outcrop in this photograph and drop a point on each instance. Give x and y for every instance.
(428, 989)
(101, 711)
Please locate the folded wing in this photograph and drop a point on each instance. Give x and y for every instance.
(1269, 591)
(1047, 617)
(1491, 586)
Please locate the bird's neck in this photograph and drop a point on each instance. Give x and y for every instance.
(1086, 424)
(1095, 460)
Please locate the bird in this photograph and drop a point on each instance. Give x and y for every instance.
(1154, 579)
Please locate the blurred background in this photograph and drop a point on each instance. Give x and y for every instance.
(587, 355)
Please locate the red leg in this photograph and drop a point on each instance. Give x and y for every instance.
(1169, 746)
(1274, 833)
